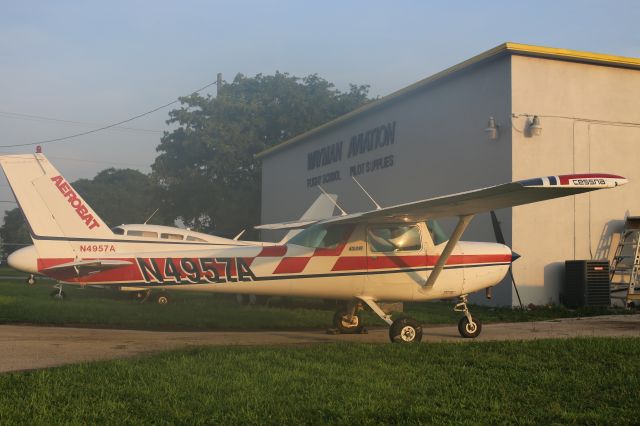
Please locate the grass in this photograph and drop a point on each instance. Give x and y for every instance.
(574, 381)
(20, 303)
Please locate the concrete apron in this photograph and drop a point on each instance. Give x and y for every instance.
(34, 347)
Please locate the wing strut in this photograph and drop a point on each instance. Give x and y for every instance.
(463, 222)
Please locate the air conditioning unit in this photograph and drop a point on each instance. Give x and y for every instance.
(586, 283)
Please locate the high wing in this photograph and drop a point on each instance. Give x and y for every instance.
(476, 201)
(87, 267)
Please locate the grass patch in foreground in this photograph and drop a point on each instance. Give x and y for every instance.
(20, 303)
(575, 381)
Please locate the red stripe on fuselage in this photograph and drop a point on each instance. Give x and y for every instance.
(273, 251)
(123, 273)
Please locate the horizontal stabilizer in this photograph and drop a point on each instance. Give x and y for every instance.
(86, 267)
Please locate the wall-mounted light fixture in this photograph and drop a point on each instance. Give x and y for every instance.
(535, 128)
(492, 129)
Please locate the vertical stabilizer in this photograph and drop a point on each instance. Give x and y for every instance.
(50, 205)
(322, 208)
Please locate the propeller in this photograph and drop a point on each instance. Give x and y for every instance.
(500, 239)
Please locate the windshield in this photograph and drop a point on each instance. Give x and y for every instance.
(322, 236)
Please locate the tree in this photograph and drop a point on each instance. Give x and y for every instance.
(116, 195)
(121, 196)
(206, 169)
(14, 233)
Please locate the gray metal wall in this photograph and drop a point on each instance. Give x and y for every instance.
(439, 147)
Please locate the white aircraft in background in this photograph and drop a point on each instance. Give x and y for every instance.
(388, 254)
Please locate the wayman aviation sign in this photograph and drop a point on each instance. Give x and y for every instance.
(362, 143)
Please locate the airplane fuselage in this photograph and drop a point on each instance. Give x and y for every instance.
(352, 265)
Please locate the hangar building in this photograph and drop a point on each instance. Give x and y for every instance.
(513, 112)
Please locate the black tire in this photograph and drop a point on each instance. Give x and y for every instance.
(162, 299)
(405, 330)
(31, 280)
(341, 323)
(467, 330)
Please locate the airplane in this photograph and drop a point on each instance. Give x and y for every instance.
(390, 254)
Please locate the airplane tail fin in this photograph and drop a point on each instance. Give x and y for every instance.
(322, 208)
(50, 205)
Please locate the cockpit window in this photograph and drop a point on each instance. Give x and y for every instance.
(322, 236)
(147, 234)
(394, 238)
(437, 234)
(117, 230)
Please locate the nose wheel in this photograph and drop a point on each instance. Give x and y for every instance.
(468, 327)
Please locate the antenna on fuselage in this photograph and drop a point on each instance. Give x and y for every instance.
(237, 237)
(332, 200)
(152, 215)
(366, 193)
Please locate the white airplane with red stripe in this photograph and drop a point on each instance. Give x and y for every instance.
(391, 254)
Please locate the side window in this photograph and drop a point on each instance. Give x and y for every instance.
(437, 234)
(192, 238)
(148, 234)
(321, 236)
(171, 236)
(393, 238)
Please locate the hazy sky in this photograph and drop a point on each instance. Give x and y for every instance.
(100, 62)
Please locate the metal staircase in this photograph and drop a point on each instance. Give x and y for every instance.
(625, 265)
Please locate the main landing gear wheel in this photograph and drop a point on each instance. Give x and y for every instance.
(405, 330)
(162, 299)
(347, 324)
(469, 330)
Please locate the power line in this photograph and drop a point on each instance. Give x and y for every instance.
(80, 160)
(30, 117)
(103, 127)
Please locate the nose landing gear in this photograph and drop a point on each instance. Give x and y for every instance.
(468, 327)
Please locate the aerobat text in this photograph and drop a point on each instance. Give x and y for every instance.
(81, 209)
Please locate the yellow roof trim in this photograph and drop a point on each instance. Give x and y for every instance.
(505, 48)
(572, 55)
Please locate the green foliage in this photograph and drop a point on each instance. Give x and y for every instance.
(121, 196)
(573, 381)
(14, 233)
(207, 167)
